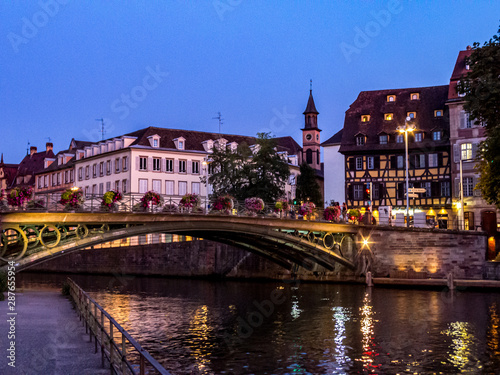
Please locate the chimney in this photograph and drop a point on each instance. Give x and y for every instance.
(469, 48)
(32, 150)
(49, 146)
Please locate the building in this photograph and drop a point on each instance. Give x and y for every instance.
(7, 174)
(31, 164)
(465, 137)
(374, 152)
(168, 161)
(335, 178)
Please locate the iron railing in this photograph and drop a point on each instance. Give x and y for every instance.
(118, 347)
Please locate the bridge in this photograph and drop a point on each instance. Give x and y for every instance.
(30, 238)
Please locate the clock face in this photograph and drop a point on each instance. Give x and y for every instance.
(308, 137)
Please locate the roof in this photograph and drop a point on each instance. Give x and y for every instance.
(375, 104)
(334, 140)
(311, 108)
(194, 139)
(76, 144)
(55, 166)
(32, 164)
(458, 71)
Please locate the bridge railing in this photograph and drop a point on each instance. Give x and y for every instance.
(124, 354)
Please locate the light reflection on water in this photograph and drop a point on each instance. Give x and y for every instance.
(203, 327)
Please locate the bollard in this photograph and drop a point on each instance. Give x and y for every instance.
(450, 281)
(369, 281)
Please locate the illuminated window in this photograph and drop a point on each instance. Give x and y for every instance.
(360, 140)
(418, 137)
(466, 151)
(414, 96)
(391, 98)
(365, 118)
(438, 113)
(436, 136)
(411, 114)
(400, 138)
(388, 116)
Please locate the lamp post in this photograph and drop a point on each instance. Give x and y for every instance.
(205, 169)
(407, 128)
(461, 183)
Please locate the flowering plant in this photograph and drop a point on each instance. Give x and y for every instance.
(153, 197)
(223, 203)
(254, 204)
(281, 205)
(18, 196)
(190, 201)
(110, 198)
(1, 194)
(332, 213)
(354, 215)
(71, 198)
(307, 208)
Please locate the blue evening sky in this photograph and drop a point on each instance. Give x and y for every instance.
(177, 63)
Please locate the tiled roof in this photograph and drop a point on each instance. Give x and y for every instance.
(458, 72)
(375, 104)
(55, 167)
(334, 139)
(32, 164)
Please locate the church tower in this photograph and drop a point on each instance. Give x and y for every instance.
(310, 135)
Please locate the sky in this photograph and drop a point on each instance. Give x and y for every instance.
(176, 64)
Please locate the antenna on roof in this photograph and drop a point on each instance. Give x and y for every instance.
(28, 148)
(219, 117)
(102, 127)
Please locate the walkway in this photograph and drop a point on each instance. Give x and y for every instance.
(50, 339)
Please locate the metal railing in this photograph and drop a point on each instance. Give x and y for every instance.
(118, 347)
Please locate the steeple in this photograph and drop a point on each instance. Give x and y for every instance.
(311, 108)
(310, 134)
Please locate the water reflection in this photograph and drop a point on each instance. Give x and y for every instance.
(369, 352)
(462, 341)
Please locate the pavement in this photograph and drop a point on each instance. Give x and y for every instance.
(49, 337)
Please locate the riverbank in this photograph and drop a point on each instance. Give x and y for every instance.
(47, 337)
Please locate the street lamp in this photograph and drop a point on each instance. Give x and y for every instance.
(462, 207)
(407, 128)
(205, 169)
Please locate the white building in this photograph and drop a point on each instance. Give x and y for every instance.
(334, 163)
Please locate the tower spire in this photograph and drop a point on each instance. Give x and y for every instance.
(310, 86)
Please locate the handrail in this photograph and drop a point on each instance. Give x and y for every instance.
(115, 351)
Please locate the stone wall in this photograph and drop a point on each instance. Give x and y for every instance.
(422, 253)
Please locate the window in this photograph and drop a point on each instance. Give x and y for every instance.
(418, 161)
(125, 163)
(309, 155)
(375, 191)
(465, 121)
(436, 136)
(388, 116)
(196, 167)
(445, 189)
(45, 179)
(155, 142)
(108, 186)
(39, 182)
(108, 167)
(370, 160)
(66, 177)
(182, 166)
(80, 174)
(143, 185)
(391, 98)
(169, 187)
(428, 191)
(358, 192)
(411, 114)
(433, 160)
(101, 188)
(101, 168)
(468, 186)
(72, 175)
(117, 165)
(469, 220)
(170, 165)
(438, 113)
(360, 140)
(53, 177)
(466, 151)
(182, 187)
(414, 96)
(181, 145)
(87, 172)
(400, 138)
(94, 170)
(157, 186)
(195, 188)
(124, 186)
(418, 137)
(117, 185)
(143, 163)
(94, 189)
(359, 163)
(365, 118)
(156, 164)
(401, 162)
(383, 138)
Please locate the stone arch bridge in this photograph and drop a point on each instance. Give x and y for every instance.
(29, 238)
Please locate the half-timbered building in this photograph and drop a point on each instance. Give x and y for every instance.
(374, 151)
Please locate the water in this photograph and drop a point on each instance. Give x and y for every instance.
(208, 327)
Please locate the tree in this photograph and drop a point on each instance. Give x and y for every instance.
(307, 186)
(243, 173)
(481, 87)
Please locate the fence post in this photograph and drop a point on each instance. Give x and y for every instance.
(124, 353)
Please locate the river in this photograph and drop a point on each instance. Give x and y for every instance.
(235, 327)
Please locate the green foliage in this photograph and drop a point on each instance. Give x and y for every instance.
(243, 174)
(307, 186)
(481, 87)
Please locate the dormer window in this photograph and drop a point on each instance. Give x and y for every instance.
(467, 67)
(180, 143)
(438, 113)
(388, 116)
(419, 137)
(414, 96)
(411, 115)
(360, 140)
(233, 146)
(436, 135)
(221, 143)
(383, 139)
(154, 140)
(391, 98)
(208, 145)
(365, 118)
(60, 160)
